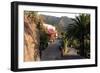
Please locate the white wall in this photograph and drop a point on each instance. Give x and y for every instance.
(5, 35)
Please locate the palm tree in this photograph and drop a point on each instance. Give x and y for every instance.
(79, 30)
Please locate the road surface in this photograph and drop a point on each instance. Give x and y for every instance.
(53, 52)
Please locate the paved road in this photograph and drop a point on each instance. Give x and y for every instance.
(52, 52)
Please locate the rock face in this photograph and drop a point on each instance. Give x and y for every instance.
(31, 39)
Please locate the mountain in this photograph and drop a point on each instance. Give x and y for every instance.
(64, 22)
(60, 22)
(51, 19)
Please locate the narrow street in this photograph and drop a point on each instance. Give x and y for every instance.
(53, 52)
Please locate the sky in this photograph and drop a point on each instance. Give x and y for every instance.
(58, 14)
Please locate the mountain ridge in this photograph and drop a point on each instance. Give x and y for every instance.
(61, 22)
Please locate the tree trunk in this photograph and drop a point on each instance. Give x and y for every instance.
(82, 43)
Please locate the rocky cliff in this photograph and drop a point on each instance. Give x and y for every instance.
(31, 38)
